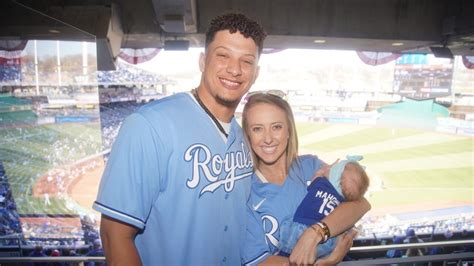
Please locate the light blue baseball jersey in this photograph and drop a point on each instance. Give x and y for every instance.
(270, 204)
(171, 175)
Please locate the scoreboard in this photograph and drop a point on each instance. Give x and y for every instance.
(423, 76)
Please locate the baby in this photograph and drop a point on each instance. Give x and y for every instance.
(347, 181)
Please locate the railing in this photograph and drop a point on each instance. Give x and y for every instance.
(412, 245)
(457, 258)
(77, 261)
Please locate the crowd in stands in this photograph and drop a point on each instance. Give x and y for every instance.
(128, 74)
(9, 219)
(94, 250)
(112, 115)
(384, 226)
(89, 227)
(41, 228)
(10, 73)
(411, 236)
(24, 74)
(118, 94)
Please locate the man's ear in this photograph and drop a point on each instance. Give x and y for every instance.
(202, 62)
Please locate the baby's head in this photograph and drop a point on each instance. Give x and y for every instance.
(354, 181)
(349, 178)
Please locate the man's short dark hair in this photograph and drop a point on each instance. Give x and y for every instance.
(237, 22)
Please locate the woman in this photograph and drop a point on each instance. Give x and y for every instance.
(280, 183)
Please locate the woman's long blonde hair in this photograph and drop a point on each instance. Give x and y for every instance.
(292, 147)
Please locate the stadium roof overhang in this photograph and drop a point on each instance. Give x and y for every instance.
(397, 26)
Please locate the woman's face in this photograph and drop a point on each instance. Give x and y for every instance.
(268, 133)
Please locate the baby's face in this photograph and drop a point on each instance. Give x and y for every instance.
(350, 182)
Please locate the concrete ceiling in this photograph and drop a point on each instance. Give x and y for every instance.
(364, 25)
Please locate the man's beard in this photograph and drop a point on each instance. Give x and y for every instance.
(227, 102)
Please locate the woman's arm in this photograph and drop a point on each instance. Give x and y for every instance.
(346, 215)
(118, 242)
(342, 218)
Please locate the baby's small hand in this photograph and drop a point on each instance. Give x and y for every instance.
(324, 171)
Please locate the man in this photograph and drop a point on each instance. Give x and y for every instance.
(178, 177)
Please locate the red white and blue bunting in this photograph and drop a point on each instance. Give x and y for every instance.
(11, 49)
(377, 58)
(468, 61)
(137, 56)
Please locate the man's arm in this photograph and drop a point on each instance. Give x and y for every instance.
(275, 260)
(118, 242)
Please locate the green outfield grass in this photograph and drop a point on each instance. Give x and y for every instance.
(361, 137)
(28, 153)
(427, 198)
(445, 185)
(307, 128)
(447, 182)
(426, 179)
(448, 147)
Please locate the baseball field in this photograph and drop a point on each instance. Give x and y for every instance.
(410, 170)
(41, 164)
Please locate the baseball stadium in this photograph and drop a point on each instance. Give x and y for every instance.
(54, 147)
(411, 117)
